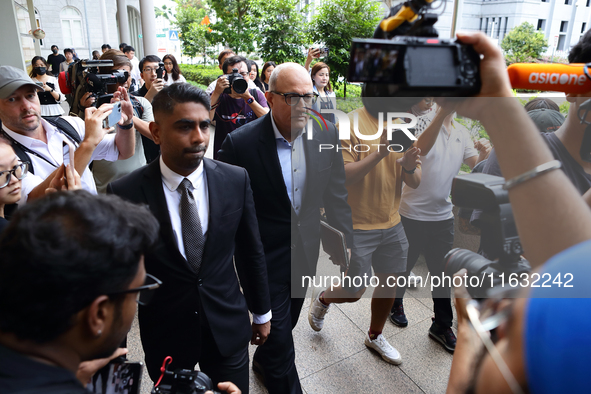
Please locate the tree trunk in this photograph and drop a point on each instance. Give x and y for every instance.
(345, 90)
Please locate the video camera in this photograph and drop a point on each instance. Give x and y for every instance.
(407, 59)
(183, 381)
(237, 82)
(85, 74)
(485, 192)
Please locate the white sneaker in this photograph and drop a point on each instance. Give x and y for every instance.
(316, 313)
(381, 345)
(412, 279)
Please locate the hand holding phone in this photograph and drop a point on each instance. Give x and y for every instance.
(114, 117)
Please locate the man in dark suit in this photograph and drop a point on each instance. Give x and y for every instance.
(291, 179)
(207, 216)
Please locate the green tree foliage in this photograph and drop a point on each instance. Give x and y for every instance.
(195, 37)
(523, 44)
(336, 23)
(281, 32)
(234, 26)
(164, 12)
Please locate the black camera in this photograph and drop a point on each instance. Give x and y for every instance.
(84, 75)
(237, 82)
(160, 70)
(415, 67)
(185, 381)
(485, 192)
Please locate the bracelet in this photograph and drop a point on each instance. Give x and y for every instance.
(409, 172)
(126, 127)
(537, 171)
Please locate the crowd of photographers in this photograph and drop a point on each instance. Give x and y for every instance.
(74, 262)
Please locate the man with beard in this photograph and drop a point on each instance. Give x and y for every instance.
(39, 142)
(207, 216)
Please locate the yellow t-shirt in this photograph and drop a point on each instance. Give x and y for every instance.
(375, 199)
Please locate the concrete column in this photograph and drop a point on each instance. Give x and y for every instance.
(12, 49)
(549, 21)
(148, 27)
(33, 20)
(571, 24)
(104, 24)
(123, 22)
(456, 21)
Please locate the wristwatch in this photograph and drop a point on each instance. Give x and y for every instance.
(250, 100)
(126, 127)
(409, 172)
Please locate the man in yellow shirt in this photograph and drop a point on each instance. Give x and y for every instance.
(375, 171)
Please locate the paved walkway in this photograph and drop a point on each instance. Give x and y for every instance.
(336, 360)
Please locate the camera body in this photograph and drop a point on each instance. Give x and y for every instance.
(237, 82)
(84, 75)
(407, 66)
(485, 192)
(185, 381)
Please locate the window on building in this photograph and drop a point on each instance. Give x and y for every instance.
(563, 26)
(480, 24)
(583, 27)
(486, 26)
(568, 2)
(561, 42)
(499, 28)
(541, 24)
(588, 2)
(72, 28)
(545, 1)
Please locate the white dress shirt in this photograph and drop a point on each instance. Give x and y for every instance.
(52, 154)
(198, 179)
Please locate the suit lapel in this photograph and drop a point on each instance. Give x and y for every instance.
(216, 195)
(270, 158)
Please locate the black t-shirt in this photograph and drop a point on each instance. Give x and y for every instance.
(20, 374)
(3, 224)
(142, 92)
(55, 61)
(151, 150)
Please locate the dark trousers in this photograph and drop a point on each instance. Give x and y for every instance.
(277, 356)
(434, 240)
(200, 348)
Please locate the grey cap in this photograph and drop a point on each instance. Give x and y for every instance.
(12, 78)
(547, 120)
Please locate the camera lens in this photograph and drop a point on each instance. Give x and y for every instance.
(239, 85)
(456, 259)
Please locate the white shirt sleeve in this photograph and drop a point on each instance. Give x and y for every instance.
(28, 183)
(469, 149)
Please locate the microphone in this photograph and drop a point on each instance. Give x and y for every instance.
(567, 78)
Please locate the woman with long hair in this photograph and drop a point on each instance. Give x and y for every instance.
(173, 72)
(51, 96)
(266, 73)
(253, 73)
(327, 99)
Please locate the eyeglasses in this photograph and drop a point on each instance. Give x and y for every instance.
(19, 171)
(150, 70)
(292, 99)
(144, 292)
(487, 316)
(167, 63)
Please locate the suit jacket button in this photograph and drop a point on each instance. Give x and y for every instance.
(200, 282)
(299, 224)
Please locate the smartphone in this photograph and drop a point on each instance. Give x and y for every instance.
(114, 117)
(119, 376)
(323, 52)
(68, 152)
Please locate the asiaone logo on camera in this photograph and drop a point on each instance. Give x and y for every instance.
(345, 128)
(557, 79)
